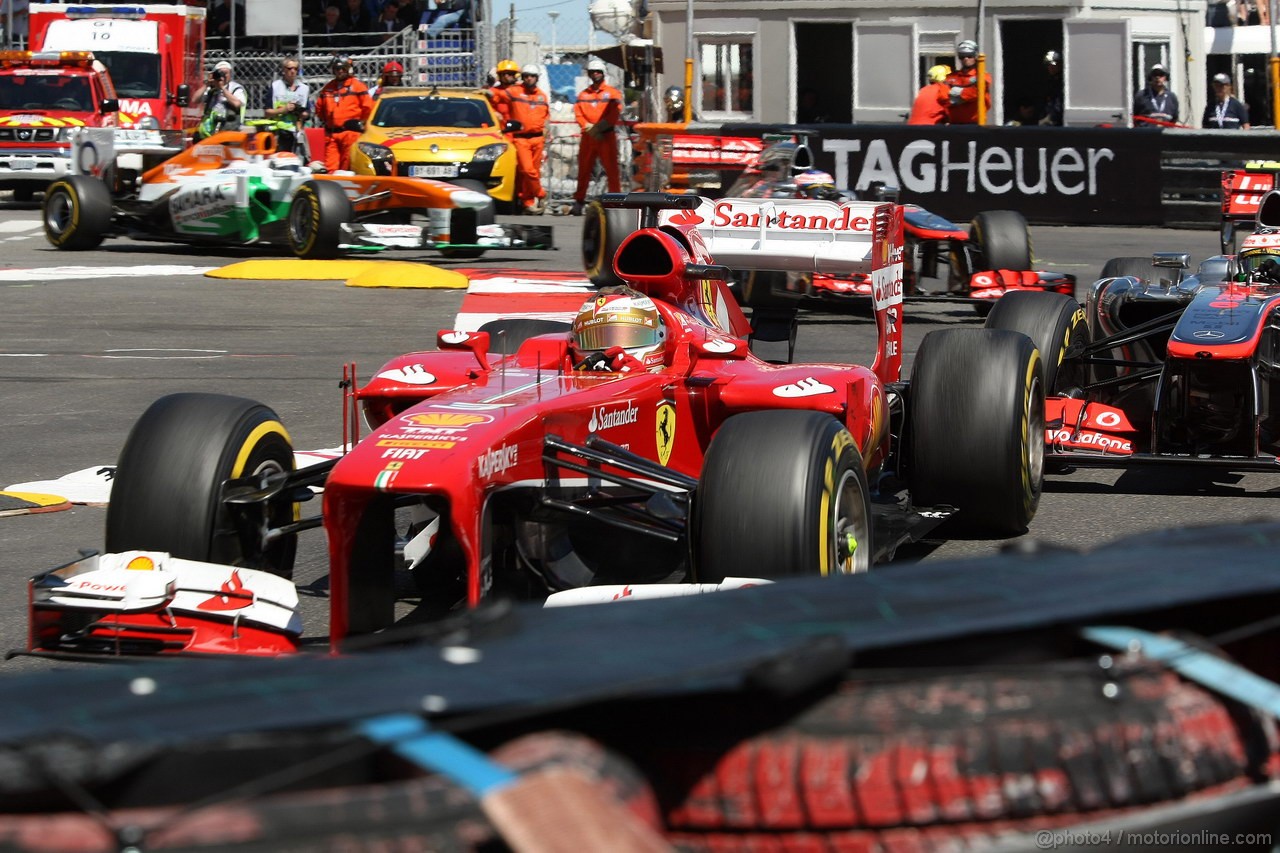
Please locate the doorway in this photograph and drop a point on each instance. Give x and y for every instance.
(821, 51)
(1027, 86)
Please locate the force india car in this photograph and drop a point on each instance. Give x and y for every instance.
(991, 258)
(1162, 367)
(235, 188)
(497, 465)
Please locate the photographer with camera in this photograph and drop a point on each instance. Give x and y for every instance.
(342, 108)
(223, 101)
(290, 105)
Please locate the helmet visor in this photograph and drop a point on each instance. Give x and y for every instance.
(1254, 259)
(623, 331)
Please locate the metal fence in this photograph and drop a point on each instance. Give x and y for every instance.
(453, 58)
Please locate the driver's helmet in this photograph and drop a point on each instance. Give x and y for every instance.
(1260, 261)
(816, 183)
(621, 317)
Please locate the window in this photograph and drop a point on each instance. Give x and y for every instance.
(728, 76)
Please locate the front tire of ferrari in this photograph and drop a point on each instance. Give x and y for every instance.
(77, 212)
(976, 427)
(1057, 326)
(782, 493)
(316, 216)
(166, 494)
(603, 230)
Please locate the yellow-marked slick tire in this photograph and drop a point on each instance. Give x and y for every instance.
(316, 215)
(603, 230)
(1057, 326)
(975, 437)
(76, 212)
(166, 495)
(782, 493)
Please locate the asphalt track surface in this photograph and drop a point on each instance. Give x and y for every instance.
(84, 351)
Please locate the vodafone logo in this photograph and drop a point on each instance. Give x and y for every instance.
(412, 374)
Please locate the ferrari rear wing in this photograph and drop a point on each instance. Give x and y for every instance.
(790, 235)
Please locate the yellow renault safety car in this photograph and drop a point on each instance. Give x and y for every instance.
(452, 135)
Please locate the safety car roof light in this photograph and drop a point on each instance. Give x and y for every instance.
(132, 13)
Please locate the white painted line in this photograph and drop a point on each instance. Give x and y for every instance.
(100, 272)
(18, 226)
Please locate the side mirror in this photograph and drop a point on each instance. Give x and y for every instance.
(183, 96)
(109, 105)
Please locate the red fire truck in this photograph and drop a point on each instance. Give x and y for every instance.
(155, 55)
(43, 96)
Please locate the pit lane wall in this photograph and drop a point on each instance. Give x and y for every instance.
(1053, 175)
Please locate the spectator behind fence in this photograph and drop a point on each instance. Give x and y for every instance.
(356, 17)
(290, 105)
(1154, 101)
(223, 100)
(332, 25)
(445, 14)
(389, 20)
(931, 102)
(598, 111)
(1224, 112)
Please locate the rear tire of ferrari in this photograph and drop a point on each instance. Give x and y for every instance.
(603, 230)
(1139, 268)
(976, 427)
(77, 212)
(166, 492)
(464, 222)
(316, 215)
(506, 335)
(1056, 325)
(782, 493)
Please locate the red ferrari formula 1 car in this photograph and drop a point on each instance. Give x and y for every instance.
(642, 443)
(990, 258)
(1162, 368)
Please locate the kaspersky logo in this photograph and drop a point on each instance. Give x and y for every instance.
(497, 460)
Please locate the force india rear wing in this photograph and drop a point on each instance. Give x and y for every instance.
(94, 150)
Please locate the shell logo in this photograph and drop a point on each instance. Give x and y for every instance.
(446, 419)
(141, 563)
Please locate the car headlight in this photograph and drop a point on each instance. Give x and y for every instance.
(376, 153)
(489, 153)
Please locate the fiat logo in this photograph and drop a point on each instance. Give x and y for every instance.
(1207, 333)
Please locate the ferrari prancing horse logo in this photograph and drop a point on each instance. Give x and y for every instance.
(665, 432)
